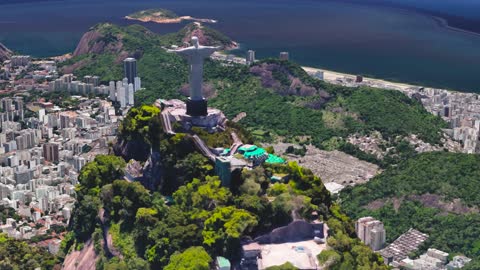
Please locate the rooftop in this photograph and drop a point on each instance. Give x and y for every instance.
(223, 262)
(403, 245)
(302, 255)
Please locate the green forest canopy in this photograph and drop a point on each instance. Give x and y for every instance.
(448, 178)
(152, 235)
(237, 90)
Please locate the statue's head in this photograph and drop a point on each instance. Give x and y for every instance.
(195, 41)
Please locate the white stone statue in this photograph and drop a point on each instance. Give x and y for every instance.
(195, 56)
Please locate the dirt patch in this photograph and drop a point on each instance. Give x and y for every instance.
(77, 65)
(375, 205)
(455, 206)
(332, 166)
(283, 82)
(397, 202)
(84, 259)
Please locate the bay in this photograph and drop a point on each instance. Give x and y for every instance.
(389, 39)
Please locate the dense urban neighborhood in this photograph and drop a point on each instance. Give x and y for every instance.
(251, 164)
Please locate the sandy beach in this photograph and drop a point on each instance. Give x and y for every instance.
(334, 76)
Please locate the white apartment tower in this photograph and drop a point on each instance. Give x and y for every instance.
(130, 94)
(111, 91)
(371, 232)
(137, 84)
(250, 57)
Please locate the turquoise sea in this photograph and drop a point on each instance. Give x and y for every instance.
(390, 39)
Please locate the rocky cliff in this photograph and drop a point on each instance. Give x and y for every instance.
(5, 53)
(112, 42)
(133, 40)
(285, 82)
(102, 49)
(152, 171)
(207, 36)
(132, 149)
(109, 38)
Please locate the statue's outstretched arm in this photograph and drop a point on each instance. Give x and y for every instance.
(211, 50)
(186, 52)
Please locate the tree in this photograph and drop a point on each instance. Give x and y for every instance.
(475, 264)
(15, 254)
(250, 187)
(285, 266)
(142, 123)
(199, 197)
(193, 258)
(329, 257)
(124, 198)
(223, 229)
(145, 221)
(253, 181)
(287, 206)
(176, 231)
(104, 169)
(85, 217)
(194, 165)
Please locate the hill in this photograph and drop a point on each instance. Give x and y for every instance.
(278, 99)
(203, 218)
(102, 49)
(156, 12)
(160, 15)
(109, 38)
(5, 53)
(265, 91)
(435, 193)
(15, 254)
(207, 36)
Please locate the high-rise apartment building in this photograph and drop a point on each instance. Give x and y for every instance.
(130, 69)
(250, 57)
(284, 56)
(51, 152)
(371, 232)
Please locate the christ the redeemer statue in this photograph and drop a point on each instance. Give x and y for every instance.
(195, 55)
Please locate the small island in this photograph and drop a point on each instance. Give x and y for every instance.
(159, 15)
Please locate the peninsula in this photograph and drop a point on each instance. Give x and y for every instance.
(158, 15)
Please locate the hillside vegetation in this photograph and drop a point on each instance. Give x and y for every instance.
(18, 255)
(203, 219)
(434, 193)
(278, 97)
(186, 212)
(155, 12)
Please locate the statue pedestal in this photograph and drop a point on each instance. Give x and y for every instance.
(197, 107)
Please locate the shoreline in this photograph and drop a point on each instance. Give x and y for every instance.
(340, 78)
(170, 20)
(333, 76)
(442, 22)
(443, 19)
(438, 19)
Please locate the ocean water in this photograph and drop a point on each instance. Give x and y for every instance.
(388, 39)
